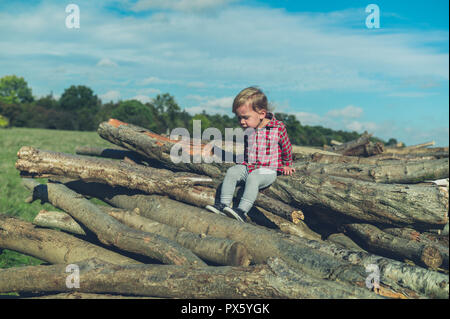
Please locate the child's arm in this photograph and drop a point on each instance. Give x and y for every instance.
(286, 152)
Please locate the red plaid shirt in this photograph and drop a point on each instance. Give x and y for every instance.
(268, 147)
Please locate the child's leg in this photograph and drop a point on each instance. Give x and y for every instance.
(259, 178)
(234, 175)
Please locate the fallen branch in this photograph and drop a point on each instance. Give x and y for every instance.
(51, 245)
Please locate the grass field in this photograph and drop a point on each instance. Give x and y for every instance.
(12, 193)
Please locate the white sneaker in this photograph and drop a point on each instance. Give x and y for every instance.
(236, 213)
(217, 208)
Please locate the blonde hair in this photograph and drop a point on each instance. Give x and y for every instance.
(257, 98)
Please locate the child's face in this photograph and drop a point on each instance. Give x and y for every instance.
(248, 117)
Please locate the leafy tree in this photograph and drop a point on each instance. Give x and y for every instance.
(134, 112)
(4, 122)
(14, 89)
(167, 111)
(79, 97)
(83, 106)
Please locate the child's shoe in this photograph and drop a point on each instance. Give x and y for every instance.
(217, 208)
(236, 213)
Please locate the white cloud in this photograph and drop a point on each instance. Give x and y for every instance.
(362, 126)
(306, 118)
(110, 96)
(142, 98)
(349, 111)
(179, 5)
(155, 80)
(221, 105)
(105, 62)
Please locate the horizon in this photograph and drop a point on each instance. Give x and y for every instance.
(318, 61)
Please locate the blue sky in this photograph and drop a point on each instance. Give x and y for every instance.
(314, 59)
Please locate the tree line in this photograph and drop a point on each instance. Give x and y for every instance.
(80, 109)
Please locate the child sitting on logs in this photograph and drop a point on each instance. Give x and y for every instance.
(267, 153)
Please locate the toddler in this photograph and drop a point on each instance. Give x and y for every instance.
(267, 153)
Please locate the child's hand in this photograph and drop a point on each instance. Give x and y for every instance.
(288, 170)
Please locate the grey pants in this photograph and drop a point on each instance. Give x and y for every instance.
(257, 179)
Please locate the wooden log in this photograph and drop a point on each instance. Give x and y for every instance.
(50, 245)
(424, 237)
(272, 280)
(359, 147)
(217, 250)
(436, 241)
(419, 206)
(113, 153)
(180, 186)
(418, 151)
(385, 204)
(86, 295)
(261, 242)
(156, 147)
(262, 217)
(398, 205)
(422, 145)
(58, 220)
(344, 241)
(402, 173)
(375, 240)
(44, 164)
(409, 280)
(379, 159)
(108, 230)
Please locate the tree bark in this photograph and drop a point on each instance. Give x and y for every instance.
(58, 220)
(375, 240)
(397, 205)
(359, 147)
(273, 280)
(50, 245)
(180, 186)
(423, 237)
(419, 206)
(156, 147)
(151, 180)
(409, 280)
(113, 153)
(344, 241)
(402, 173)
(264, 218)
(429, 239)
(261, 243)
(110, 231)
(218, 250)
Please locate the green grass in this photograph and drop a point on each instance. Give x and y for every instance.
(12, 193)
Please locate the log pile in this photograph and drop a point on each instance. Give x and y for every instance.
(356, 220)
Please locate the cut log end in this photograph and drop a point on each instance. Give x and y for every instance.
(431, 257)
(297, 216)
(239, 255)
